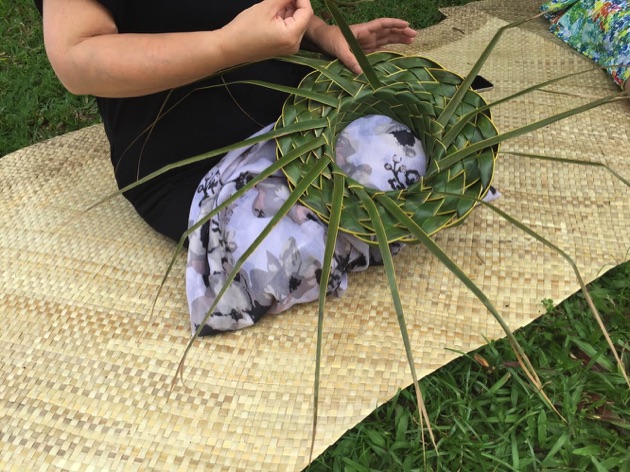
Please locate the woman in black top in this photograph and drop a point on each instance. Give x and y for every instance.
(129, 54)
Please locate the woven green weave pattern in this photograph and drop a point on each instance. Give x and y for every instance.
(414, 91)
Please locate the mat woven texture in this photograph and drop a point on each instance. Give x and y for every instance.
(85, 373)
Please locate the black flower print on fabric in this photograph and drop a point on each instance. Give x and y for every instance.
(207, 186)
(402, 177)
(242, 179)
(404, 137)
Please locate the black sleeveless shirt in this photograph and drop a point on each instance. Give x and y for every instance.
(204, 120)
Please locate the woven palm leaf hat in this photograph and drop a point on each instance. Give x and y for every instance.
(86, 373)
(414, 91)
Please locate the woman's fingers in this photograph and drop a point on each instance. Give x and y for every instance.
(270, 28)
(295, 12)
(383, 31)
(374, 35)
(303, 12)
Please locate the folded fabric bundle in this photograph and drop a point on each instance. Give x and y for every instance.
(285, 269)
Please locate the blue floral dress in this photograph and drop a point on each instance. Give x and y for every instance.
(599, 29)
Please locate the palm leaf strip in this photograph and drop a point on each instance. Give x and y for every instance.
(331, 241)
(426, 240)
(388, 263)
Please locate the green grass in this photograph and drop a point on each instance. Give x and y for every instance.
(33, 104)
(483, 410)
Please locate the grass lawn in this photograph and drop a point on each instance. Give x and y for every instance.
(33, 104)
(484, 412)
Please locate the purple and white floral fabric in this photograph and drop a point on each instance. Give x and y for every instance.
(285, 269)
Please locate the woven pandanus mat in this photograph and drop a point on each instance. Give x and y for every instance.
(86, 374)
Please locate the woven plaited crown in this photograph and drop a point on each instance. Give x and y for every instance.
(415, 91)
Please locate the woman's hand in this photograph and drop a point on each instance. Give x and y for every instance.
(372, 36)
(268, 29)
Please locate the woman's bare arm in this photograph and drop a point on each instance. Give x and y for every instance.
(90, 57)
